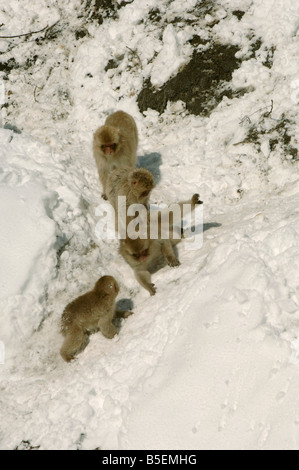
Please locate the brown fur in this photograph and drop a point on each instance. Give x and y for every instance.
(143, 255)
(120, 136)
(87, 314)
(135, 185)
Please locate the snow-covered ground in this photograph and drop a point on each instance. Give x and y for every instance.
(211, 361)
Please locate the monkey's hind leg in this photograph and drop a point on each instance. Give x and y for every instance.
(75, 342)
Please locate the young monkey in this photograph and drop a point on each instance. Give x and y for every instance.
(135, 184)
(115, 145)
(143, 254)
(88, 314)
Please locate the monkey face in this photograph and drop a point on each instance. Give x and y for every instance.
(141, 256)
(107, 140)
(142, 182)
(113, 286)
(141, 190)
(109, 149)
(138, 250)
(145, 193)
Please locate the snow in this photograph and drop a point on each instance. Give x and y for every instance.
(169, 59)
(24, 234)
(226, 352)
(211, 361)
(27, 239)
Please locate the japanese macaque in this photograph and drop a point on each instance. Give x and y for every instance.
(115, 145)
(144, 255)
(135, 184)
(88, 314)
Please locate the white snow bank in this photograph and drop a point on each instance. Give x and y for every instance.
(27, 251)
(26, 234)
(36, 212)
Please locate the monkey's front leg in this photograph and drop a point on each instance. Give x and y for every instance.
(103, 178)
(144, 279)
(104, 195)
(169, 254)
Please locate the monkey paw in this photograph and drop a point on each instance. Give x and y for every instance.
(68, 357)
(152, 289)
(127, 313)
(173, 263)
(196, 200)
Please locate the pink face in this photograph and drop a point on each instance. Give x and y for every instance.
(144, 255)
(141, 256)
(109, 149)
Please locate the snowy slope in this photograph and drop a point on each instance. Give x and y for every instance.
(212, 360)
(228, 381)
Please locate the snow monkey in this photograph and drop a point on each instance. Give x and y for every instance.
(88, 314)
(144, 255)
(115, 145)
(134, 184)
